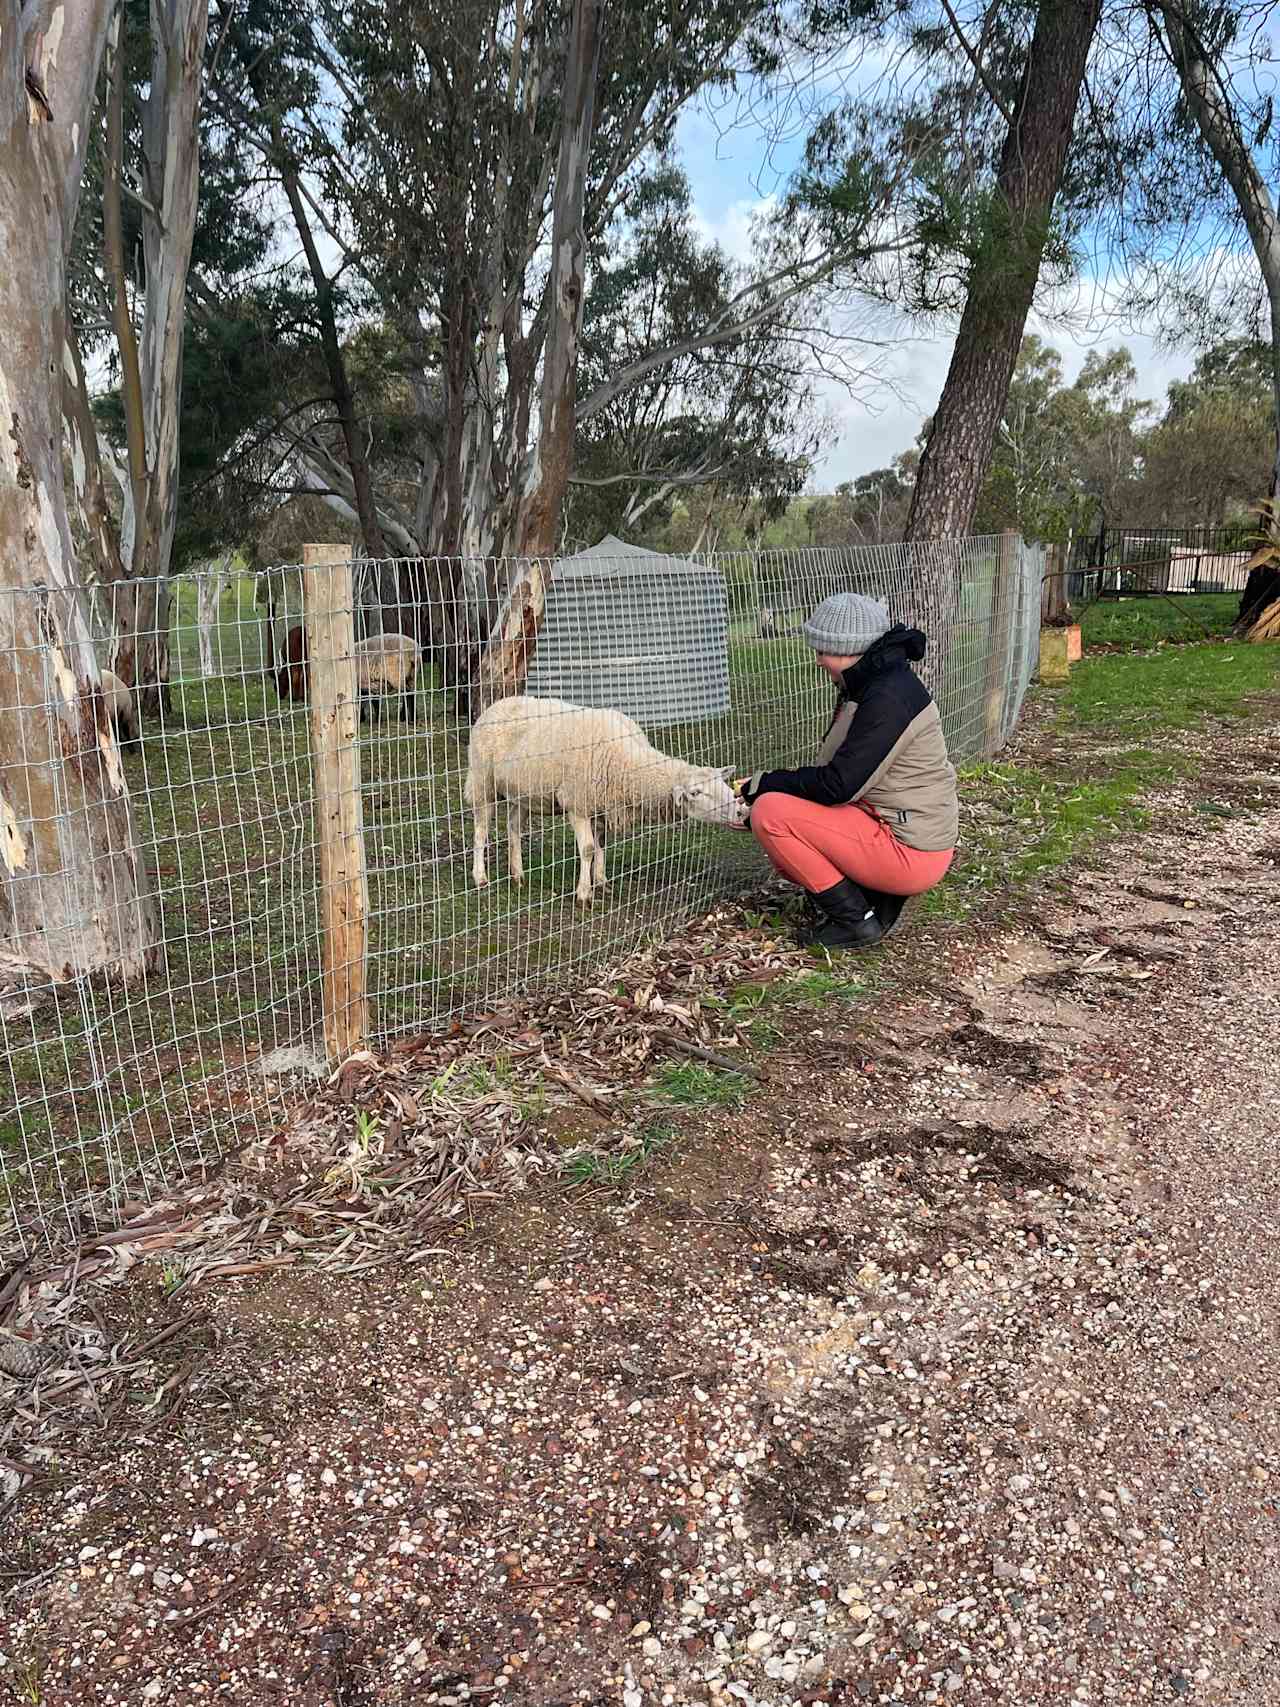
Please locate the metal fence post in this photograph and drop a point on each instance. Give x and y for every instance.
(335, 758)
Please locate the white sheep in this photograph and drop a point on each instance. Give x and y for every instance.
(597, 767)
(387, 664)
(120, 709)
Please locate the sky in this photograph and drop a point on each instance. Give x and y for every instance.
(729, 183)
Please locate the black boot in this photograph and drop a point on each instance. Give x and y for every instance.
(850, 918)
(887, 908)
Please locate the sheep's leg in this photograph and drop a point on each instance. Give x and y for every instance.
(482, 811)
(597, 866)
(586, 856)
(515, 829)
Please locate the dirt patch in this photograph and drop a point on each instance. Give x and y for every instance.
(978, 1046)
(999, 1156)
(940, 1368)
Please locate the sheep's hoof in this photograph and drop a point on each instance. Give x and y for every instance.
(517, 877)
(481, 882)
(581, 899)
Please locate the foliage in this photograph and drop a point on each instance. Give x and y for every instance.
(738, 417)
(868, 510)
(1064, 454)
(1069, 456)
(1214, 447)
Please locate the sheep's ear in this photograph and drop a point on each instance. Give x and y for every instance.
(681, 794)
(726, 771)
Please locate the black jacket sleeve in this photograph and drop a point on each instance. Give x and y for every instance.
(875, 729)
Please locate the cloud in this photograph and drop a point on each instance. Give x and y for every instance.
(885, 419)
(869, 435)
(733, 225)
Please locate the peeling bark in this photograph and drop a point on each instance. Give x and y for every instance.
(151, 367)
(74, 896)
(86, 468)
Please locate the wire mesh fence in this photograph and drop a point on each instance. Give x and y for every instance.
(168, 863)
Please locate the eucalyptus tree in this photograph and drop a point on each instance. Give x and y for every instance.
(73, 884)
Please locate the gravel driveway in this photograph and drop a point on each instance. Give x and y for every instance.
(944, 1370)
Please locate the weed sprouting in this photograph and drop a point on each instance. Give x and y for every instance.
(593, 1167)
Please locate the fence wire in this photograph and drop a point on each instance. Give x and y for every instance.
(173, 832)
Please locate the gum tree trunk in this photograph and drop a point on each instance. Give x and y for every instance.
(1001, 290)
(967, 419)
(171, 145)
(86, 469)
(151, 368)
(73, 886)
(506, 660)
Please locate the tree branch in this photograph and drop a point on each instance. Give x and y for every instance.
(976, 63)
(725, 332)
(642, 476)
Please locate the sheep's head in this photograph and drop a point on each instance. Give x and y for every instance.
(704, 795)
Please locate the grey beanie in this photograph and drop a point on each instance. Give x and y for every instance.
(847, 623)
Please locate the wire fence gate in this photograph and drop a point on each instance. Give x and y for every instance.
(209, 891)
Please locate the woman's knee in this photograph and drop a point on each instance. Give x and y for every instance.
(770, 814)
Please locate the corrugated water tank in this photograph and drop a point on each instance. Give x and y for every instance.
(643, 632)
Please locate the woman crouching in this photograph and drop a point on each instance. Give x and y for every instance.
(875, 819)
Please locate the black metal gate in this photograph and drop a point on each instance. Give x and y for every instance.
(1122, 561)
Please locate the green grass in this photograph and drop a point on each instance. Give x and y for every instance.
(811, 990)
(757, 1008)
(619, 1167)
(1029, 821)
(691, 1085)
(1160, 691)
(1180, 619)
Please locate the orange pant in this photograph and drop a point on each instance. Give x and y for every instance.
(815, 846)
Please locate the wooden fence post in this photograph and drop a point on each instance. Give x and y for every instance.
(335, 759)
(1053, 597)
(996, 688)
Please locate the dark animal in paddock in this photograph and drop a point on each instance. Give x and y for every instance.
(289, 672)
